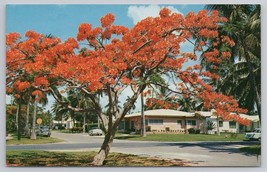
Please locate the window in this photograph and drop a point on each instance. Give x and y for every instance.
(155, 121)
(121, 125)
(191, 122)
(220, 123)
(232, 124)
(179, 122)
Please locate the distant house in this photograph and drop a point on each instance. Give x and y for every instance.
(173, 121)
(230, 126)
(67, 124)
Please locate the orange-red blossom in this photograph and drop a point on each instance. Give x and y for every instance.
(117, 56)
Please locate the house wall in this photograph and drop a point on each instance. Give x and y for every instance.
(225, 127)
(169, 124)
(67, 123)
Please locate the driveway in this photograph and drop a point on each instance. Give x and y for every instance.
(197, 153)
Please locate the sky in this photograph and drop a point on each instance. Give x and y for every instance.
(63, 21)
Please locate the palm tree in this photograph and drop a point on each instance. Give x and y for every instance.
(33, 134)
(189, 104)
(43, 101)
(76, 99)
(59, 110)
(241, 74)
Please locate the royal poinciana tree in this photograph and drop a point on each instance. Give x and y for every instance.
(116, 58)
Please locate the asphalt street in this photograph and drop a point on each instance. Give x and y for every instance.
(196, 153)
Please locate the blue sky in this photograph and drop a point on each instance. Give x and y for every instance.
(63, 20)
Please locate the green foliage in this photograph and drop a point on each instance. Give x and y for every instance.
(211, 125)
(193, 131)
(76, 130)
(243, 79)
(11, 117)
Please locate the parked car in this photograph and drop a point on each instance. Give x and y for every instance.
(254, 135)
(95, 132)
(44, 131)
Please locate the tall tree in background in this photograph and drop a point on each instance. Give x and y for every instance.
(241, 75)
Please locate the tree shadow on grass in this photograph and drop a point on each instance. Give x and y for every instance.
(83, 159)
(43, 158)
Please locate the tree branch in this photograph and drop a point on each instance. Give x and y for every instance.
(166, 87)
(139, 48)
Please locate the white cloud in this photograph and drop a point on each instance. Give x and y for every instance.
(137, 13)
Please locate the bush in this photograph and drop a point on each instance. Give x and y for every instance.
(197, 131)
(191, 131)
(76, 129)
(60, 127)
(211, 125)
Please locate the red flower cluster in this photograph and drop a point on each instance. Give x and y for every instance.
(107, 20)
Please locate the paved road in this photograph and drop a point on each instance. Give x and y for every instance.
(198, 153)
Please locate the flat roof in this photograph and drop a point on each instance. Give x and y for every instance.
(176, 113)
(163, 112)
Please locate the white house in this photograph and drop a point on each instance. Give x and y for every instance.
(230, 126)
(173, 121)
(67, 124)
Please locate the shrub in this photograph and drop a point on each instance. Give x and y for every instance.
(191, 131)
(211, 125)
(60, 127)
(76, 129)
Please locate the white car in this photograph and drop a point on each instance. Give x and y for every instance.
(95, 132)
(254, 135)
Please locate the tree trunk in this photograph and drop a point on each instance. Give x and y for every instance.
(253, 84)
(27, 128)
(19, 117)
(143, 122)
(255, 89)
(111, 128)
(33, 134)
(185, 126)
(218, 126)
(84, 121)
(73, 120)
(105, 148)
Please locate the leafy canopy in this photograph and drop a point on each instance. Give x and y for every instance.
(117, 57)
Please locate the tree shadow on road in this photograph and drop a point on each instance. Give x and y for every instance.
(227, 147)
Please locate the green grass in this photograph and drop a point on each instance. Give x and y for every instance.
(81, 159)
(256, 149)
(26, 140)
(184, 137)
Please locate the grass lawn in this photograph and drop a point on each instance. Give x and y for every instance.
(184, 137)
(81, 159)
(256, 149)
(26, 140)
